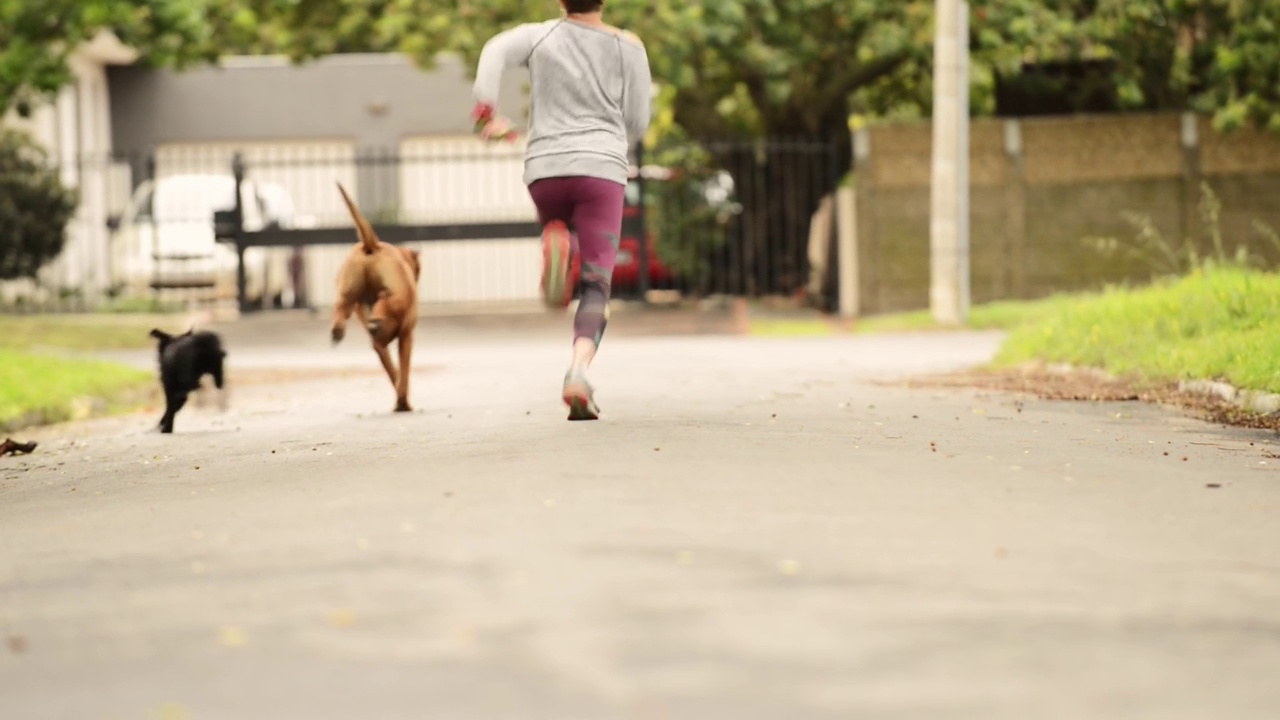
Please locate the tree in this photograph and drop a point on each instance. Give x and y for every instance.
(38, 38)
(34, 207)
(1218, 57)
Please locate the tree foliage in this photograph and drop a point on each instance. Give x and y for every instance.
(1219, 57)
(38, 38)
(34, 207)
(790, 67)
(731, 67)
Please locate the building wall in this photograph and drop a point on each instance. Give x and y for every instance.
(373, 100)
(1046, 192)
(75, 129)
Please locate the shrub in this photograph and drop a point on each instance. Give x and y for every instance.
(34, 207)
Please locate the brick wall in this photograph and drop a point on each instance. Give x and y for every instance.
(1040, 189)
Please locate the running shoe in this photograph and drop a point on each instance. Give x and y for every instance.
(579, 396)
(557, 247)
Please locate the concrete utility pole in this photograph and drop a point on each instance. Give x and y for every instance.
(949, 195)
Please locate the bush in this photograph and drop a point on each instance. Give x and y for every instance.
(34, 207)
(688, 226)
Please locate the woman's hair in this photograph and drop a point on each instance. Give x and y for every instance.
(583, 6)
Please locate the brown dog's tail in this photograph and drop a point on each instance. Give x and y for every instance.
(363, 229)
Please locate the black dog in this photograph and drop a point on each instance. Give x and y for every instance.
(184, 359)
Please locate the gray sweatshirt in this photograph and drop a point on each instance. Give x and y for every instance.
(589, 100)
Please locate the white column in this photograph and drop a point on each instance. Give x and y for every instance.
(949, 212)
(91, 255)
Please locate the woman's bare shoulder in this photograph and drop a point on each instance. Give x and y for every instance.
(625, 35)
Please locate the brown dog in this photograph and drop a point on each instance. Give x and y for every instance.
(379, 282)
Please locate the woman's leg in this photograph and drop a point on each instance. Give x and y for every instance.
(597, 220)
(554, 202)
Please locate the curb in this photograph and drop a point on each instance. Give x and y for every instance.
(1255, 401)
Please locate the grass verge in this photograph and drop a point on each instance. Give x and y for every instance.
(1216, 323)
(39, 389)
(996, 315)
(81, 332)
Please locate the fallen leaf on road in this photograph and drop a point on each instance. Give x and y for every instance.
(171, 711)
(342, 618)
(1214, 485)
(467, 636)
(231, 636)
(17, 644)
(789, 567)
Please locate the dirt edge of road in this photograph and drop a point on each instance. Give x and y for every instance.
(1048, 382)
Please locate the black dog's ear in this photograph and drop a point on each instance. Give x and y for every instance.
(161, 335)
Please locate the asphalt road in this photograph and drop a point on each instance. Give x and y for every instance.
(756, 529)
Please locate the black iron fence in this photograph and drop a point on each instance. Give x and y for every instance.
(711, 218)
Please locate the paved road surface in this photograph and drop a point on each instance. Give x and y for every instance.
(757, 529)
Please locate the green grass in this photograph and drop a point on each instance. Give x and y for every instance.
(996, 315)
(1217, 323)
(791, 327)
(987, 316)
(39, 387)
(36, 389)
(81, 332)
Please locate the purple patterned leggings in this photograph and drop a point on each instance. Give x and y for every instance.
(592, 208)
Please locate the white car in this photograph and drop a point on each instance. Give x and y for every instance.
(165, 240)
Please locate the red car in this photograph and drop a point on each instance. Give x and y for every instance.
(626, 271)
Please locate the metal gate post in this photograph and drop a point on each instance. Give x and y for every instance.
(237, 170)
(642, 283)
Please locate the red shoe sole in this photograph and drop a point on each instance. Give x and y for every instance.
(557, 247)
(580, 405)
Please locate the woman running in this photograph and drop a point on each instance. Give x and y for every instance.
(589, 103)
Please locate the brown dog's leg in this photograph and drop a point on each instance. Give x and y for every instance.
(342, 309)
(402, 387)
(384, 354)
(377, 321)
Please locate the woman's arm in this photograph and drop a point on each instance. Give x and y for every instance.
(639, 101)
(508, 49)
